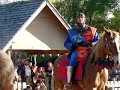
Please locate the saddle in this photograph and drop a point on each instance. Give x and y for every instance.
(79, 70)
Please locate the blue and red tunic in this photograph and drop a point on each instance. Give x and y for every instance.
(88, 37)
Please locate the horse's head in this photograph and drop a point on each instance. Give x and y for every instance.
(111, 43)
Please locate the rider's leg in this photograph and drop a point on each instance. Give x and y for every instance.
(69, 74)
(70, 68)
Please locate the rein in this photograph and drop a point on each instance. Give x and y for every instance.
(110, 56)
(104, 63)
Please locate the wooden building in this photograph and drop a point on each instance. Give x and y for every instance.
(32, 26)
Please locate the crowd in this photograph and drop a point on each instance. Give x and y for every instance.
(114, 74)
(36, 78)
(40, 78)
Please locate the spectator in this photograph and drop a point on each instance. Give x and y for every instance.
(37, 86)
(19, 71)
(35, 71)
(26, 73)
(41, 74)
(49, 75)
(114, 75)
(40, 86)
(29, 74)
(19, 58)
(6, 72)
(119, 74)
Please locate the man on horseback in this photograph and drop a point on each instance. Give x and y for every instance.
(79, 38)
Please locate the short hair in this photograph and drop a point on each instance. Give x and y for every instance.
(6, 71)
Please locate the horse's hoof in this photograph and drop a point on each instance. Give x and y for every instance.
(67, 86)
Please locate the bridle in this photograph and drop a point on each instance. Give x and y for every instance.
(102, 62)
(110, 56)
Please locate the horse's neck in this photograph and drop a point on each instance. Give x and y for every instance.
(99, 51)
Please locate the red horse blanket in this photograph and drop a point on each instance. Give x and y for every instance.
(62, 68)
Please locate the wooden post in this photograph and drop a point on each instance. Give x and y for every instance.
(35, 59)
(9, 51)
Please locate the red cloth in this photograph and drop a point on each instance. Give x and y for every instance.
(89, 34)
(79, 72)
(62, 70)
(36, 69)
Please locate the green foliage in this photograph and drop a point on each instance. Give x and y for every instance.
(42, 58)
(114, 23)
(69, 9)
(95, 11)
(45, 57)
(22, 54)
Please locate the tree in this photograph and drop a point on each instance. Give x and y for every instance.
(114, 23)
(95, 10)
(69, 9)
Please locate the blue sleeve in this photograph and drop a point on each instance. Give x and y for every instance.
(68, 43)
(96, 38)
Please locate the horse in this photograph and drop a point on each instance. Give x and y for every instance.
(103, 56)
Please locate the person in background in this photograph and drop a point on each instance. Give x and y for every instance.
(41, 74)
(78, 39)
(19, 70)
(35, 71)
(40, 86)
(26, 73)
(29, 74)
(49, 75)
(37, 86)
(6, 72)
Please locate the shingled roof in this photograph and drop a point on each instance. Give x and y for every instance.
(13, 16)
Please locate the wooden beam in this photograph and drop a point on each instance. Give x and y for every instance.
(41, 51)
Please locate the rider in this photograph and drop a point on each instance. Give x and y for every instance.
(82, 36)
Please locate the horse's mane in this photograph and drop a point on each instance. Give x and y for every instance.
(101, 42)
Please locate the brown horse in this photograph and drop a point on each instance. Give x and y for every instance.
(104, 54)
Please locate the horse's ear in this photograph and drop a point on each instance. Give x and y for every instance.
(106, 30)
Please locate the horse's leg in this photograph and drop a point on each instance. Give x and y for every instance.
(106, 88)
(58, 85)
(103, 88)
(100, 87)
(91, 88)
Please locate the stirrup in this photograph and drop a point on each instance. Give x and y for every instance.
(67, 86)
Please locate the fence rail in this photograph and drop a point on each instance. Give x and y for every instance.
(113, 85)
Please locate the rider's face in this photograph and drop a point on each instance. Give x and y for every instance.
(81, 20)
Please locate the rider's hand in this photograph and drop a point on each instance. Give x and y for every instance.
(74, 46)
(89, 47)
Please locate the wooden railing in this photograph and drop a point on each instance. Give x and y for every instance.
(114, 85)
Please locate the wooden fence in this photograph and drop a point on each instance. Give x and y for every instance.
(113, 85)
